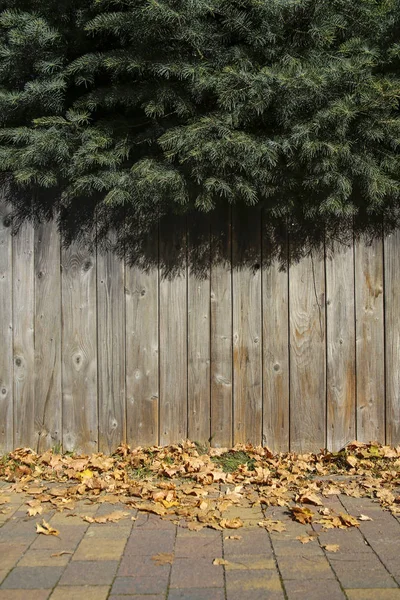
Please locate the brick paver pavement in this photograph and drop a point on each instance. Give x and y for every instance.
(114, 561)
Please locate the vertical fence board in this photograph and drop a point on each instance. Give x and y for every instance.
(79, 355)
(221, 329)
(111, 350)
(370, 344)
(173, 333)
(142, 364)
(307, 354)
(199, 328)
(392, 326)
(340, 332)
(275, 350)
(247, 327)
(6, 332)
(23, 326)
(48, 401)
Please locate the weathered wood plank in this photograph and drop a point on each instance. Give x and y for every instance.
(340, 333)
(221, 329)
(307, 354)
(369, 341)
(23, 325)
(111, 350)
(142, 367)
(199, 328)
(275, 347)
(247, 326)
(48, 397)
(6, 331)
(173, 331)
(392, 324)
(79, 351)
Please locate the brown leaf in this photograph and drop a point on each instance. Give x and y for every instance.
(348, 520)
(113, 517)
(46, 529)
(56, 554)
(271, 525)
(163, 558)
(4, 499)
(304, 539)
(310, 499)
(220, 561)
(233, 537)
(235, 523)
(301, 515)
(331, 547)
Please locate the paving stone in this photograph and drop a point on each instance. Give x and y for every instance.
(32, 577)
(148, 521)
(197, 594)
(305, 567)
(140, 585)
(110, 550)
(349, 540)
(141, 566)
(313, 590)
(137, 597)
(250, 562)
(295, 548)
(89, 573)
(355, 573)
(198, 545)
(206, 532)
(374, 594)
(68, 539)
(84, 592)
(196, 573)
(43, 558)
(245, 581)
(101, 532)
(252, 542)
(22, 594)
(10, 553)
(150, 542)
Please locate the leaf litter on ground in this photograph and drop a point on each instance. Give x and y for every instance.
(198, 487)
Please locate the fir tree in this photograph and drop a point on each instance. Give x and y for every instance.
(143, 107)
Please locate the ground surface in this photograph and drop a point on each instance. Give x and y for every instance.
(155, 559)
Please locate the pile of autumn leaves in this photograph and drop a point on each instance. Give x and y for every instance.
(190, 486)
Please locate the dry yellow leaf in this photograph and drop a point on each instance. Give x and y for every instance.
(35, 510)
(233, 537)
(56, 554)
(310, 499)
(235, 523)
(348, 520)
(220, 561)
(364, 518)
(163, 558)
(46, 529)
(331, 547)
(301, 515)
(305, 539)
(271, 525)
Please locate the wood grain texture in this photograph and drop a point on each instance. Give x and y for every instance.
(199, 328)
(173, 332)
(392, 325)
(221, 329)
(369, 341)
(79, 350)
(340, 332)
(247, 327)
(307, 354)
(23, 326)
(6, 331)
(275, 350)
(111, 350)
(142, 366)
(48, 396)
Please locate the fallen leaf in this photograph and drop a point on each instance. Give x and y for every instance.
(220, 561)
(35, 510)
(271, 525)
(60, 553)
(301, 515)
(46, 529)
(331, 547)
(348, 520)
(233, 537)
(231, 523)
(310, 499)
(305, 539)
(113, 517)
(364, 518)
(163, 558)
(4, 499)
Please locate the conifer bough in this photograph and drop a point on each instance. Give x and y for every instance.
(146, 107)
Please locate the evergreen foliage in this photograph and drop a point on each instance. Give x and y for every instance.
(143, 107)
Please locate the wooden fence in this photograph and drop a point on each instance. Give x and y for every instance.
(94, 351)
